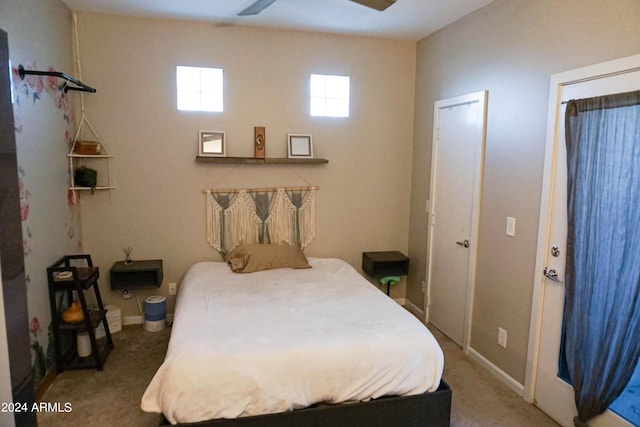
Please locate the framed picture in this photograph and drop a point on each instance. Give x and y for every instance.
(300, 146)
(212, 144)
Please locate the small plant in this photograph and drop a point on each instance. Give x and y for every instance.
(127, 255)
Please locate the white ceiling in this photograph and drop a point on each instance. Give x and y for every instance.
(406, 19)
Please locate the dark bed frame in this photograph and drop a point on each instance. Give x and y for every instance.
(432, 409)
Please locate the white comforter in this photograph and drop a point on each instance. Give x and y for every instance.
(277, 340)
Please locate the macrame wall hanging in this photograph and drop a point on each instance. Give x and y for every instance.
(267, 215)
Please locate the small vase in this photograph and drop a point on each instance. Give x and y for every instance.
(128, 260)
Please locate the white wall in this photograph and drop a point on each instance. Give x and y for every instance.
(158, 205)
(510, 48)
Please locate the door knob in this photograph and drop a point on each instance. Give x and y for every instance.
(551, 275)
(464, 243)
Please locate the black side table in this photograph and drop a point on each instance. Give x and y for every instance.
(137, 275)
(385, 264)
(64, 276)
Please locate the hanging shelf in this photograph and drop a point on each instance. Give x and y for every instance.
(77, 155)
(77, 159)
(74, 157)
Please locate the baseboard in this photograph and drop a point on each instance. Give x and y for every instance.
(131, 320)
(400, 301)
(46, 382)
(137, 320)
(499, 373)
(414, 309)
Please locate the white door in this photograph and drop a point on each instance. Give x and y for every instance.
(456, 175)
(553, 395)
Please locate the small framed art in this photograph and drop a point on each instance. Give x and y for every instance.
(300, 146)
(212, 144)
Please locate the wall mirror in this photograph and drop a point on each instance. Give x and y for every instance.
(300, 146)
(212, 144)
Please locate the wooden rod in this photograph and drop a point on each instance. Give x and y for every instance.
(261, 190)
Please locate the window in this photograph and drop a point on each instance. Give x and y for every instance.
(329, 95)
(199, 89)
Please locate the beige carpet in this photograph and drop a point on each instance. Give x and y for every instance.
(480, 399)
(112, 397)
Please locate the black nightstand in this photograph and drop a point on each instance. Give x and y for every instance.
(137, 275)
(384, 264)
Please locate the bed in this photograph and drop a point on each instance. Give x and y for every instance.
(310, 346)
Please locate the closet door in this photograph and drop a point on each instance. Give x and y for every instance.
(14, 289)
(456, 176)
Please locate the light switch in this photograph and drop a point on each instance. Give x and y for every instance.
(511, 226)
(502, 338)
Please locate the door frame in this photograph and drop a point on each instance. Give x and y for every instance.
(482, 98)
(592, 72)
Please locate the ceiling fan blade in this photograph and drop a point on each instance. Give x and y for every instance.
(256, 7)
(376, 4)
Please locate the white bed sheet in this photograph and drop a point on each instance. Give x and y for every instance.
(278, 340)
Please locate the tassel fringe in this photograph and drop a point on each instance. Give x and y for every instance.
(240, 224)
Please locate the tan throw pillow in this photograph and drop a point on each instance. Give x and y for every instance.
(257, 257)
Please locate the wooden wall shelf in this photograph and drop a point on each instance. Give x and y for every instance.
(252, 160)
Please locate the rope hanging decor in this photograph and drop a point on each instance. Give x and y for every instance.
(266, 215)
(83, 117)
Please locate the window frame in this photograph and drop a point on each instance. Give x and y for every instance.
(334, 99)
(206, 95)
